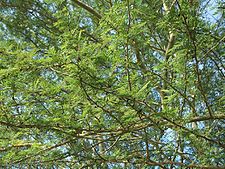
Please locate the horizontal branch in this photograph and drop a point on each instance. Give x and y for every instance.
(16, 146)
(154, 163)
(204, 118)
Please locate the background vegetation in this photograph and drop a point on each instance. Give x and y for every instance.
(112, 83)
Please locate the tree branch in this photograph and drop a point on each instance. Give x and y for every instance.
(204, 118)
(87, 8)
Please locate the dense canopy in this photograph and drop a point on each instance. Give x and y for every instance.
(112, 84)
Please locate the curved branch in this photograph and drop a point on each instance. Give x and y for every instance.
(87, 8)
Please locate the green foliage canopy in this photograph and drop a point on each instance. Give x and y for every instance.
(111, 84)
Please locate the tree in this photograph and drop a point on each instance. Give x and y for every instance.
(112, 84)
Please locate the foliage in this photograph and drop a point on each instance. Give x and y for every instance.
(112, 84)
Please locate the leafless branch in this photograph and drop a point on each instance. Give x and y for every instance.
(87, 8)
